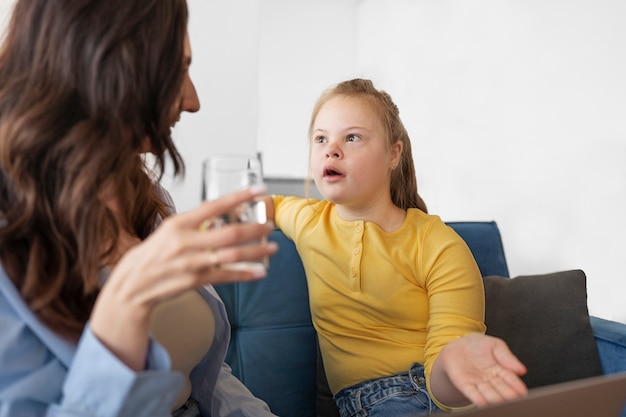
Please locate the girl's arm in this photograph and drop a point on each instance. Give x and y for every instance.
(463, 365)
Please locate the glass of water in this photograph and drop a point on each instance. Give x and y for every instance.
(225, 174)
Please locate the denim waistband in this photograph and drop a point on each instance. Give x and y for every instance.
(368, 394)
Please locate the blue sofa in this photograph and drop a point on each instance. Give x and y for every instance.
(273, 348)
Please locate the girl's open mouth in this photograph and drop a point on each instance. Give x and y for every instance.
(332, 172)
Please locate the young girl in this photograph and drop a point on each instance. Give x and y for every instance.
(396, 296)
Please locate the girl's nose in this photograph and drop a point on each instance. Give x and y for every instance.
(333, 150)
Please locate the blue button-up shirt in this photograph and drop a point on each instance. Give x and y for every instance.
(42, 374)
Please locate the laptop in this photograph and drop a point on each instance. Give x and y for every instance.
(601, 396)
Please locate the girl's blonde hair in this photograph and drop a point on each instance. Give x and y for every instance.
(403, 184)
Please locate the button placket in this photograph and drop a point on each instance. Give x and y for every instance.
(357, 254)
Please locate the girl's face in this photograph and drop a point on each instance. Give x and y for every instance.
(350, 161)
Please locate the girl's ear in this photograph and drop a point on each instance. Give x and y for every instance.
(396, 154)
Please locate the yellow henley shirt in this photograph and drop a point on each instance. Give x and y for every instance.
(381, 301)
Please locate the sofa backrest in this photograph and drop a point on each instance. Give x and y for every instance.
(485, 242)
(273, 344)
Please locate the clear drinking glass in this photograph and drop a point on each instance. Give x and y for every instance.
(225, 174)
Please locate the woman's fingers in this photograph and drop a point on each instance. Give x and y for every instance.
(210, 209)
(208, 266)
(245, 253)
(237, 242)
(175, 259)
(196, 269)
(229, 235)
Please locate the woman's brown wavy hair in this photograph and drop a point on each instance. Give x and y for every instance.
(83, 83)
(403, 182)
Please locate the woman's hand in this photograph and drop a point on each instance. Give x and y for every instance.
(479, 367)
(177, 257)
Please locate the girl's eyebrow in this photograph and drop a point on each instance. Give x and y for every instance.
(344, 130)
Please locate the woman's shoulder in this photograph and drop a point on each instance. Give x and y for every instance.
(165, 197)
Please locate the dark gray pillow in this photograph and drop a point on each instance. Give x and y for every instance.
(545, 321)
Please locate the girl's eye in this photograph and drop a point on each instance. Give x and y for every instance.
(320, 139)
(353, 138)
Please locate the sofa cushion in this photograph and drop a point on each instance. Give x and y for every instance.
(273, 344)
(545, 321)
(485, 242)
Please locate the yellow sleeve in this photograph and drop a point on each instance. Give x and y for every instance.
(455, 292)
(291, 213)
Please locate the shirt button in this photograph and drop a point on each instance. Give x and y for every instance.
(356, 251)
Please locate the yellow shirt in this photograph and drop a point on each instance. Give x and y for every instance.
(381, 301)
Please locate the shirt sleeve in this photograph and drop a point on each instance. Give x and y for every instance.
(100, 384)
(35, 382)
(455, 292)
(291, 213)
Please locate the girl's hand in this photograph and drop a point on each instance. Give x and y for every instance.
(479, 367)
(179, 256)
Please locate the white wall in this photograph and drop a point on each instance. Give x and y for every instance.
(517, 112)
(516, 109)
(5, 11)
(305, 47)
(225, 67)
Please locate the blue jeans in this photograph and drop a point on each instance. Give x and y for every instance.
(400, 395)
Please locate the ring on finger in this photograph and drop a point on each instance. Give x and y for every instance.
(213, 259)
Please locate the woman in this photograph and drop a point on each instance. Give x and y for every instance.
(85, 274)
